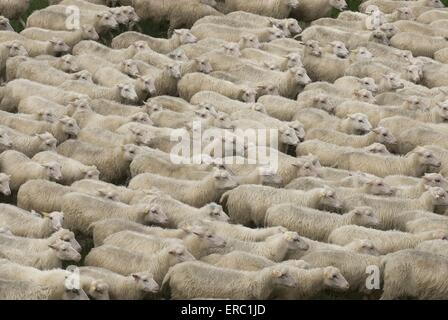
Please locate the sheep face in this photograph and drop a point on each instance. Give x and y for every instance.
(275, 33)
(364, 216)
(339, 49)
(203, 65)
(131, 14)
(211, 239)
(380, 37)
(68, 64)
(333, 279)
(328, 199)
(288, 137)
(338, 4)
(426, 157)
(283, 277)
(4, 184)
(231, 49)
(439, 195)
(293, 26)
(222, 120)
(151, 107)
(108, 195)
(389, 30)
(69, 126)
(223, 180)
(91, 173)
(312, 47)
(362, 54)
(127, 91)
(185, 36)
(69, 237)
(215, 212)
(174, 70)
(119, 15)
(269, 177)
(141, 136)
(359, 123)
(384, 136)
(64, 251)
(155, 215)
(98, 290)
(268, 89)
(293, 241)
(129, 151)
(393, 81)
(281, 25)
(141, 117)
(405, 13)
(83, 75)
(15, 49)
(300, 76)
(322, 101)
(305, 168)
(434, 3)
(47, 141)
(56, 218)
(179, 254)
(363, 246)
(145, 282)
(178, 55)
(442, 109)
(5, 140)
(378, 187)
(435, 180)
(416, 103)
(106, 21)
(414, 73)
(53, 170)
(58, 47)
(89, 33)
(294, 60)
(5, 25)
(248, 95)
(364, 95)
(368, 84)
(298, 128)
(130, 68)
(377, 148)
(249, 41)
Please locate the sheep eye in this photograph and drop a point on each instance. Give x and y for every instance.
(437, 180)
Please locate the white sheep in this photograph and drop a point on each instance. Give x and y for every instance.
(388, 6)
(247, 204)
(81, 210)
(14, 9)
(5, 25)
(309, 10)
(279, 9)
(71, 38)
(421, 45)
(209, 281)
(113, 163)
(158, 264)
(194, 193)
(316, 224)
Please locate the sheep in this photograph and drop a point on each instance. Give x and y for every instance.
(172, 103)
(408, 264)
(41, 195)
(22, 223)
(434, 246)
(192, 83)
(4, 184)
(304, 220)
(55, 18)
(257, 199)
(428, 180)
(309, 10)
(432, 16)
(52, 280)
(179, 37)
(385, 241)
(113, 163)
(13, 50)
(116, 56)
(66, 63)
(51, 258)
(32, 244)
(72, 170)
(21, 169)
(52, 46)
(352, 265)
(194, 193)
(92, 63)
(71, 38)
(422, 45)
(132, 287)
(106, 138)
(286, 25)
(29, 145)
(18, 89)
(44, 74)
(356, 123)
(284, 109)
(233, 34)
(76, 205)
(23, 290)
(379, 135)
(104, 228)
(386, 209)
(14, 9)
(412, 26)
(263, 58)
(157, 264)
(107, 107)
(226, 283)
(220, 102)
(318, 70)
(278, 9)
(5, 25)
(90, 119)
(388, 6)
(414, 163)
(199, 242)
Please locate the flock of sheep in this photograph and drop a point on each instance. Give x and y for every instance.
(356, 207)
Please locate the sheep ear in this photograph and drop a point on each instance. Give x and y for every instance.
(178, 31)
(102, 192)
(277, 273)
(377, 130)
(53, 246)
